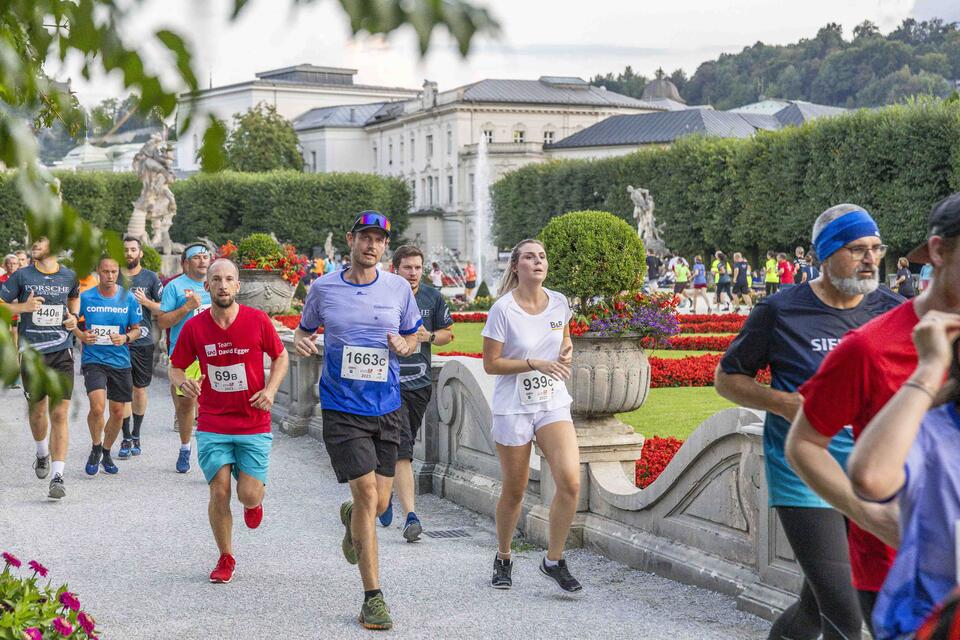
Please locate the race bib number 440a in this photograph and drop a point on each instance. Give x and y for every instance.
(229, 379)
(48, 315)
(365, 363)
(535, 387)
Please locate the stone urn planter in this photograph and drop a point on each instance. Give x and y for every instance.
(265, 290)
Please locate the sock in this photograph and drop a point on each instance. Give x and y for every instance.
(550, 563)
(369, 594)
(57, 467)
(126, 428)
(98, 447)
(503, 556)
(43, 448)
(137, 421)
(185, 447)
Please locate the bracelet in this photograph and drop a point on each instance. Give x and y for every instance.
(921, 386)
(530, 365)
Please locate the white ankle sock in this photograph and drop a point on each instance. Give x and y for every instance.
(57, 467)
(43, 448)
(185, 447)
(550, 563)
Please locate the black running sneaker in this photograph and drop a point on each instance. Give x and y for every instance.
(501, 574)
(93, 462)
(57, 490)
(561, 575)
(41, 466)
(107, 462)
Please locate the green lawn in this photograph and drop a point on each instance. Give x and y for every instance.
(675, 411)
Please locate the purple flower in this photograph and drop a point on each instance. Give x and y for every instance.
(62, 627)
(38, 568)
(32, 634)
(11, 559)
(86, 622)
(70, 601)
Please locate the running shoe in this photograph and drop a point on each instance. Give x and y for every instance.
(349, 551)
(41, 466)
(93, 462)
(501, 573)
(375, 614)
(135, 449)
(57, 490)
(253, 517)
(386, 518)
(183, 461)
(561, 575)
(125, 446)
(412, 528)
(223, 572)
(107, 463)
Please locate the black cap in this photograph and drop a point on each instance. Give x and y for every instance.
(944, 221)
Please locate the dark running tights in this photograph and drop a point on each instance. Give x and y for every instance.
(828, 603)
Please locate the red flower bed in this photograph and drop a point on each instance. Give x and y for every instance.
(700, 318)
(460, 353)
(656, 455)
(711, 327)
(291, 322)
(476, 316)
(700, 343)
(692, 371)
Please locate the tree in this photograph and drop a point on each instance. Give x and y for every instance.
(262, 140)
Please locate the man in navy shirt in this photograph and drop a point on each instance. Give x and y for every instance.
(792, 332)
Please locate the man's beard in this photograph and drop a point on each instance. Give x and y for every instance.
(217, 300)
(854, 286)
(133, 264)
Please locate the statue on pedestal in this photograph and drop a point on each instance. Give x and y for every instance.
(647, 227)
(156, 203)
(328, 248)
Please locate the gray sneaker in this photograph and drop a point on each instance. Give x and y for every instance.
(42, 466)
(57, 490)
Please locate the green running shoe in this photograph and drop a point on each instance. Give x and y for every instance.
(375, 614)
(349, 552)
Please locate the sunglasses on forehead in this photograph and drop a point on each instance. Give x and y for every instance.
(372, 220)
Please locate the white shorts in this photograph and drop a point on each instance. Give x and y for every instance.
(518, 429)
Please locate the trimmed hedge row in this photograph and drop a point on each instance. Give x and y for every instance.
(299, 208)
(760, 193)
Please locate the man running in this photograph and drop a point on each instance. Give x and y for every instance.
(46, 295)
(370, 318)
(233, 430)
(111, 319)
(792, 332)
(146, 288)
(854, 383)
(183, 298)
(415, 381)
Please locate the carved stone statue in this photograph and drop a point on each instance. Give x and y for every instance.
(328, 248)
(647, 227)
(156, 203)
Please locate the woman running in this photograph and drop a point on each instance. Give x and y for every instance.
(526, 344)
(699, 285)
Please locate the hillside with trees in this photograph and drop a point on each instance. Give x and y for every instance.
(868, 70)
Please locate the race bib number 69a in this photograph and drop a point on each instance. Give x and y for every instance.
(365, 363)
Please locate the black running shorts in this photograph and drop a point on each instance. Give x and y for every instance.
(415, 403)
(117, 382)
(61, 362)
(358, 444)
(141, 362)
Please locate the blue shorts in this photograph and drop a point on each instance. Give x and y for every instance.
(248, 453)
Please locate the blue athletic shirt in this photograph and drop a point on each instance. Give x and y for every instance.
(925, 570)
(105, 316)
(792, 332)
(699, 274)
(174, 296)
(359, 316)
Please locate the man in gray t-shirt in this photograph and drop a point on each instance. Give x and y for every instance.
(415, 381)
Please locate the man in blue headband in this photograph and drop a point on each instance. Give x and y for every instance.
(183, 298)
(792, 332)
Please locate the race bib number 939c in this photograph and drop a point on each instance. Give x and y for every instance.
(535, 387)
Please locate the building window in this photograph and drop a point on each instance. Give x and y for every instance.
(519, 136)
(390, 153)
(449, 189)
(429, 147)
(449, 141)
(473, 184)
(430, 190)
(313, 161)
(376, 160)
(435, 194)
(413, 191)
(423, 191)
(548, 137)
(413, 143)
(401, 152)
(488, 134)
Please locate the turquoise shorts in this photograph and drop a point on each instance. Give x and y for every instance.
(248, 453)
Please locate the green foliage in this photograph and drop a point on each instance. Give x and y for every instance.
(258, 246)
(593, 253)
(151, 259)
(762, 193)
(262, 140)
(483, 291)
(48, 610)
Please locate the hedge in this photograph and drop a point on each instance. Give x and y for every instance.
(299, 208)
(760, 193)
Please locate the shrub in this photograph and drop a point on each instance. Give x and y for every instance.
(483, 291)
(593, 253)
(151, 259)
(256, 247)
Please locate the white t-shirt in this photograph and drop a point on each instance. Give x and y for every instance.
(436, 278)
(527, 336)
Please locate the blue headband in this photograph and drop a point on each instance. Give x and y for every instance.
(845, 229)
(194, 250)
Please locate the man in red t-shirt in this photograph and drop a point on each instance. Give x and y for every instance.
(233, 428)
(853, 384)
(785, 268)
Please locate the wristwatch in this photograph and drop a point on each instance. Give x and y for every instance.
(433, 336)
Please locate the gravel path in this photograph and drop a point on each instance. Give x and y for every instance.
(137, 549)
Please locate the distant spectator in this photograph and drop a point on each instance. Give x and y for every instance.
(905, 279)
(470, 279)
(785, 271)
(436, 276)
(771, 275)
(653, 270)
(758, 285)
(926, 275)
(798, 264)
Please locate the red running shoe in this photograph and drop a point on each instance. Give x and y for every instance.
(253, 517)
(223, 573)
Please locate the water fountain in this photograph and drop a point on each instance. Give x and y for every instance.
(484, 251)
(448, 261)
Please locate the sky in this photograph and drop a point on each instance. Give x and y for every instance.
(539, 37)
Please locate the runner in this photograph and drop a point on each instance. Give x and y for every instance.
(46, 295)
(10, 264)
(111, 319)
(681, 273)
(741, 285)
(22, 258)
(855, 381)
(146, 288)
(233, 429)
(792, 332)
(771, 275)
(416, 380)
(185, 297)
(526, 344)
(369, 317)
(700, 285)
(470, 278)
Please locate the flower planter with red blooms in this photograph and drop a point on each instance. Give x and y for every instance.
(269, 271)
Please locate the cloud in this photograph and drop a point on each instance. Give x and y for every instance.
(948, 10)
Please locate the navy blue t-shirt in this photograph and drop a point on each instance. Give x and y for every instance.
(792, 332)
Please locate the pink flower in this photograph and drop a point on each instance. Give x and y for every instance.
(11, 559)
(38, 568)
(86, 622)
(69, 601)
(32, 634)
(62, 627)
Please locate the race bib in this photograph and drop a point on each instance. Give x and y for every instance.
(535, 387)
(48, 315)
(228, 379)
(103, 333)
(365, 363)
(200, 309)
